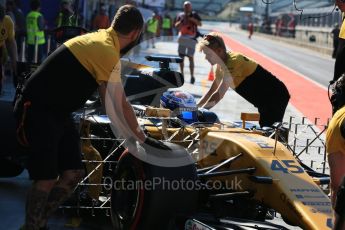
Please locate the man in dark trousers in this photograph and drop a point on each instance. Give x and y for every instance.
(8, 45)
(35, 36)
(61, 85)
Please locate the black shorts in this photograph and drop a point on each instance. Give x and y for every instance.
(186, 46)
(267, 93)
(54, 144)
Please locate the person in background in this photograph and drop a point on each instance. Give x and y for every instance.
(167, 25)
(101, 20)
(291, 26)
(66, 15)
(249, 79)
(20, 30)
(187, 23)
(9, 11)
(278, 26)
(8, 45)
(35, 33)
(151, 30)
(250, 30)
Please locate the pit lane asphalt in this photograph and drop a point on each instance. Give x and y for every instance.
(317, 66)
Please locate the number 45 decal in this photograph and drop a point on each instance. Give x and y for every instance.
(287, 166)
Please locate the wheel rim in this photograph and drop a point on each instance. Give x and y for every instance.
(126, 199)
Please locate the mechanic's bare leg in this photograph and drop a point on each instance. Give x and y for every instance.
(191, 68)
(36, 202)
(60, 192)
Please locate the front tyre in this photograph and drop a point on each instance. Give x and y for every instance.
(146, 196)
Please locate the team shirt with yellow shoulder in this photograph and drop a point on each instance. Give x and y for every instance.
(335, 142)
(101, 57)
(239, 67)
(6, 30)
(73, 72)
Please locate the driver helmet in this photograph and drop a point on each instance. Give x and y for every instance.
(182, 104)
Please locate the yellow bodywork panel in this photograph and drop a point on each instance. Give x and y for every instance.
(292, 192)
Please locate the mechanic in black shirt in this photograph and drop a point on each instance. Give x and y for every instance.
(248, 78)
(61, 85)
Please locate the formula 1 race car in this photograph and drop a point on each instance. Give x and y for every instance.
(206, 174)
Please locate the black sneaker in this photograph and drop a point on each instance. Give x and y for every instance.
(192, 80)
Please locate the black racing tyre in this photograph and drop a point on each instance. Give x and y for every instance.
(9, 168)
(155, 206)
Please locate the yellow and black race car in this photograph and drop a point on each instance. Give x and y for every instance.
(205, 174)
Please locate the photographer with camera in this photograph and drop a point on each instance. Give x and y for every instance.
(335, 139)
(187, 23)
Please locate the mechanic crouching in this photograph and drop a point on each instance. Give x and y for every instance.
(335, 145)
(60, 86)
(246, 77)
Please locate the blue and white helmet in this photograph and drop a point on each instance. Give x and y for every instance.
(182, 104)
